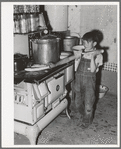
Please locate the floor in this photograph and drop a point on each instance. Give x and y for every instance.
(64, 131)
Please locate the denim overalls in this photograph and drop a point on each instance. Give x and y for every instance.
(84, 88)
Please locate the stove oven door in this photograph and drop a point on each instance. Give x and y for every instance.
(56, 87)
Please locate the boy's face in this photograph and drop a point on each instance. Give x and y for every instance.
(89, 45)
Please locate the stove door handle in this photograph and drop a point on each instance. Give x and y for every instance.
(58, 76)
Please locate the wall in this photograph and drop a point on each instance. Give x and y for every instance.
(110, 80)
(21, 44)
(84, 18)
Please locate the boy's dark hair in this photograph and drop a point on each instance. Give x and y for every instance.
(90, 36)
(94, 35)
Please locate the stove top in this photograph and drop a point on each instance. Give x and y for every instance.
(38, 76)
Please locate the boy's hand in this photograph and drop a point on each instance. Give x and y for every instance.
(77, 50)
(77, 54)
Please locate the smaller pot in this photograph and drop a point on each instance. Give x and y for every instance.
(20, 62)
(69, 42)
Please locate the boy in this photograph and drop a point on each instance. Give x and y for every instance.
(85, 78)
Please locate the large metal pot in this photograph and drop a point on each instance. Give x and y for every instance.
(69, 42)
(46, 50)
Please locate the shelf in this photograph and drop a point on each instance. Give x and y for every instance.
(27, 13)
(41, 29)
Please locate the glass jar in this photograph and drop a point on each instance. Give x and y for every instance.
(28, 23)
(17, 23)
(37, 20)
(33, 22)
(25, 8)
(14, 25)
(23, 23)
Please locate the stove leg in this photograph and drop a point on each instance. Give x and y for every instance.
(32, 134)
(68, 87)
(32, 140)
(67, 114)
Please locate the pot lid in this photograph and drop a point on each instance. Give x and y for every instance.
(49, 37)
(70, 37)
(46, 38)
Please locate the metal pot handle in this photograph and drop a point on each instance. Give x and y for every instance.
(50, 35)
(77, 34)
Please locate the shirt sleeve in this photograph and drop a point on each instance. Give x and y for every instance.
(99, 61)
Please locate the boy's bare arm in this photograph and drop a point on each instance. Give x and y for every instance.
(63, 61)
(93, 65)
